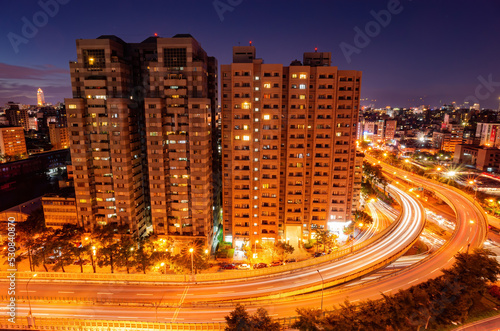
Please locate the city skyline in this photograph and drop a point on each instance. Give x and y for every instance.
(309, 164)
(433, 55)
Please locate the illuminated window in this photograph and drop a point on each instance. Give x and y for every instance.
(175, 96)
(246, 138)
(237, 138)
(83, 201)
(72, 106)
(294, 75)
(245, 105)
(302, 86)
(91, 61)
(303, 76)
(267, 96)
(266, 117)
(302, 96)
(245, 127)
(265, 186)
(267, 85)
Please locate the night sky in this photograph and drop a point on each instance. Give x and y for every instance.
(434, 50)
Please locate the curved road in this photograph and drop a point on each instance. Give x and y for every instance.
(465, 232)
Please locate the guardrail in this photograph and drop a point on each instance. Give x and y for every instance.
(44, 323)
(206, 277)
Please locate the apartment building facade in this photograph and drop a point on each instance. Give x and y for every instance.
(12, 141)
(140, 134)
(58, 135)
(288, 147)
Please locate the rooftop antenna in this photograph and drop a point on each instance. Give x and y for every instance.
(250, 43)
(315, 49)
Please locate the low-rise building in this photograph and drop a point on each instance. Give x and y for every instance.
(481, 157)
(488, 134)
(59, 209)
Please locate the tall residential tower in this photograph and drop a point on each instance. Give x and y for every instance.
(140, 124)
(288, 147)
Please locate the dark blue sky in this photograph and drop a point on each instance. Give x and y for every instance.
(431, 49)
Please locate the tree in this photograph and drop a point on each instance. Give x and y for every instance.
(66, 241)
(283, 249)
(240, 320)
(125, 252)
(27, 233)
(309, 319)
(278, 248)
(108, 246)
(325, 238)
(261, 321)
(45, 246)
(145, 255)
(247, 249)
(363, 217)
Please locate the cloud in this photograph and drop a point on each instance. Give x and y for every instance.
(41, 72)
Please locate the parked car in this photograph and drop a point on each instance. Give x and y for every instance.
(290, 260)
(276, 263)
(229, 266)
(259, 265)
(318, 254)
(244, 267)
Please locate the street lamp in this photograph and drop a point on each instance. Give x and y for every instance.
(473, 182)
(164, 267)
(255, 246)
(28, 293)
(322, 288)
(192, 264)
(470, 232)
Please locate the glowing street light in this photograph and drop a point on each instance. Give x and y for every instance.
(471, 222)
(28, 293)
(322, 287)
(192, 263)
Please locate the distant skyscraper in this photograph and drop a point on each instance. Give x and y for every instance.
(40, 98)
(141, 130)
(288, 144)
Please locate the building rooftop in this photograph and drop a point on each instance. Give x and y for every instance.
(26, 207)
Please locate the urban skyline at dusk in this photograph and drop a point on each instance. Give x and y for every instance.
(250, 165)
(421, 54)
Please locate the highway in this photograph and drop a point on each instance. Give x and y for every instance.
(184, 297)
(403, 235)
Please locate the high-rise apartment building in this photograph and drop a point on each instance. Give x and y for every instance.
(180, 131)
(288, 147)
(12, 141)
(17, 115)
(140, 124)
(58, 135)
